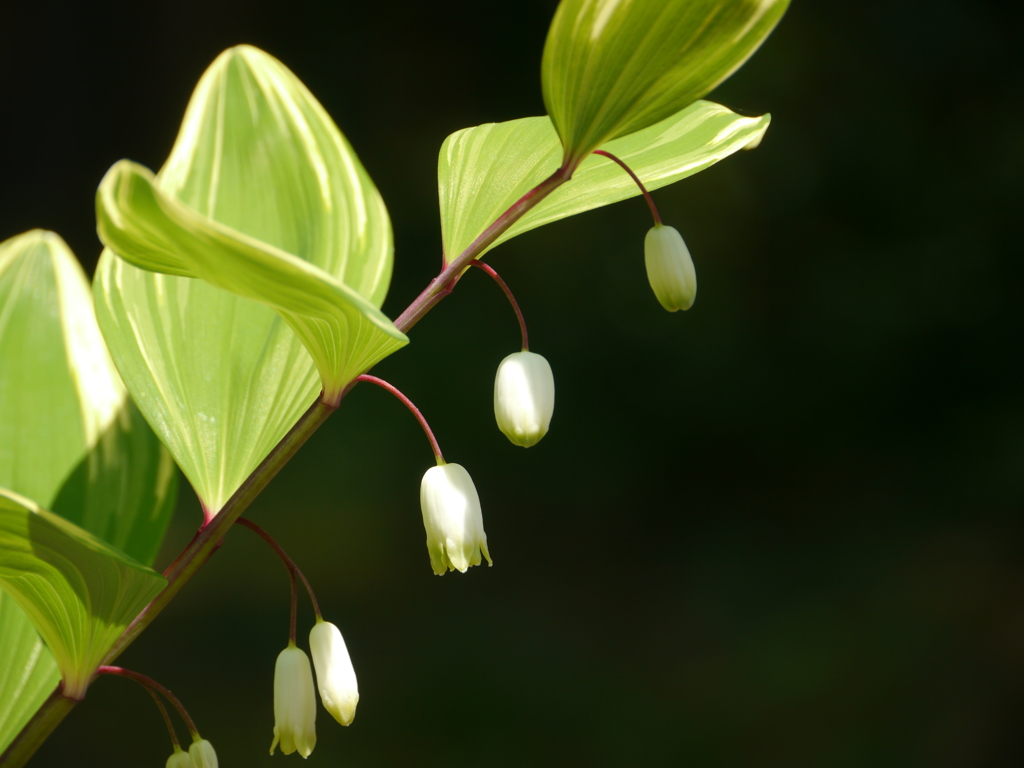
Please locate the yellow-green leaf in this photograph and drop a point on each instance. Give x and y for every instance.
(483, 170)
(612, 67)
(28, 672)
(263, 197)
(343, 332)
(72, 440)
(80, 592)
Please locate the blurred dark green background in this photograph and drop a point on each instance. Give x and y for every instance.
(782, 529)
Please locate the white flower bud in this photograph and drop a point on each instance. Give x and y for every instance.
(670, 269)
(452, 518)
(334, 673)
(179, 759)
(524, 397)
(294, 703)
(202, 755)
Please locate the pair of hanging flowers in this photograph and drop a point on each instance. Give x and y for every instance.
(294, 699)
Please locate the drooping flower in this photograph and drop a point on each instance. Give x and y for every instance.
(524, 397)
(335, 676)
(294, 703)
(670, 269)
(180, 759)
(452, 519)
(202, 755)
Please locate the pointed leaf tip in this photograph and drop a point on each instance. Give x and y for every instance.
(612, 67)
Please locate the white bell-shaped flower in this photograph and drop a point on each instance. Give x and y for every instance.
(179, 759)
(202, 755)
(335, 676)
(452, 518)
(524, 397)
(294, 703)
(670, 269)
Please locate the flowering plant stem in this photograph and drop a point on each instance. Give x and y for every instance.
(293, 570)
(627, 169)
(154, 687)
(412, 407)
(167, 719)
(210, 535)
(511, 299)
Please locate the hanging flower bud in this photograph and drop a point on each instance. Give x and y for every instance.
(669, 268)
(202, 755)
(524, 398)
(180, 759)
(294, 703)
(334, 673)
(452, 518)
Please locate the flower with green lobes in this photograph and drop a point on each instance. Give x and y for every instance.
(524, 397)
(670, 269)
(294, 703)
(180, 759)
(614, 67)
(452, 519)
(202, 755)
(335, 676)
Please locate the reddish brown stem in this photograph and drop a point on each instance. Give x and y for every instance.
(411, 406)
(152, 685)
(627, 169)
(508, 294)
(293, 569)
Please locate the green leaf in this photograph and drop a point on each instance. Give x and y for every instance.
(80, 592)
(263, 197)
(343, 332)
(28, 673)
(72, 439)
(612, 67)
(483, 170)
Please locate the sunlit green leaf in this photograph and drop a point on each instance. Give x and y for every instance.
(80, 592)
(483, 170)
(28, 673)
(261, 196)
(72, 439)
(344, 333)
(612, 67)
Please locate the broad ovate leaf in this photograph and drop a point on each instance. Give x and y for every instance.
(71, 440)
(264, 201)
(343, 332)
(612, 67)
(484, 170)
(28, 672)
(80, 592)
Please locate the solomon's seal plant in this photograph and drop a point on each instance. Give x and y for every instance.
(264, 230)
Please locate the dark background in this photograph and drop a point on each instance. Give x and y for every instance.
(781, 529)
